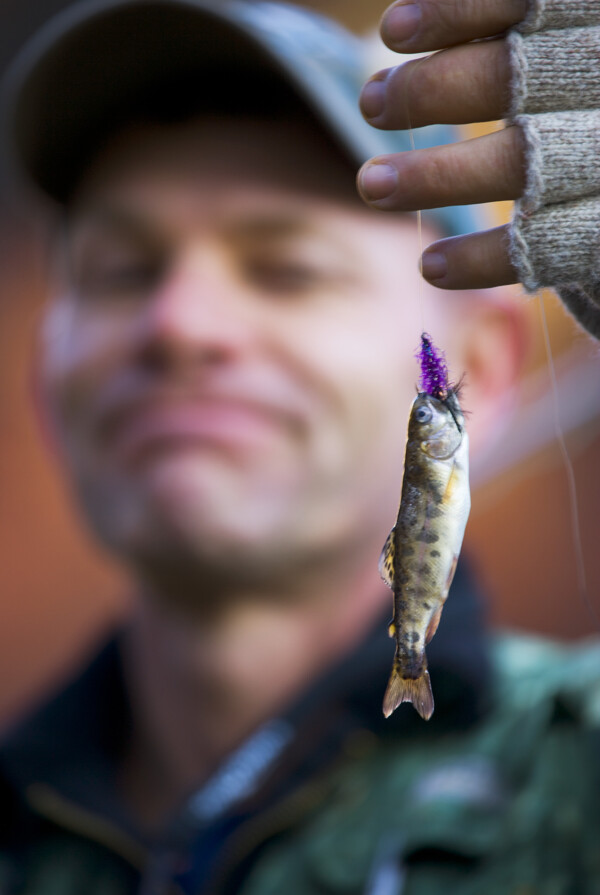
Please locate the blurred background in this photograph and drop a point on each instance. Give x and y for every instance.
(58, 594)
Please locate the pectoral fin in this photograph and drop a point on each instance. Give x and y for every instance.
(433, 624)
(450, 577)
(386, 560)
(435, 618)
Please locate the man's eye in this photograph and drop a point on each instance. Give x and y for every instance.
(284, 277)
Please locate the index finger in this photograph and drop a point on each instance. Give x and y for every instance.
(410, 26)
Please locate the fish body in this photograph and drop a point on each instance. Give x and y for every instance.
(420, 554)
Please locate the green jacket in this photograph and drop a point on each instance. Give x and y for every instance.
(505, 802)
(511, 807)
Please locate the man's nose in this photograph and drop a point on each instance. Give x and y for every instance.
(197, 312)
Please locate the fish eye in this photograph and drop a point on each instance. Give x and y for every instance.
(423, 414)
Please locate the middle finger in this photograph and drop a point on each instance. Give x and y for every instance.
(455, 86)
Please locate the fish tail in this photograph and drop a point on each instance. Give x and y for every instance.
(405, 689)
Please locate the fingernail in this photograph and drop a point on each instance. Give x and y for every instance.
(402, 21)
(372, 99)
(434, 265)
(378, 181)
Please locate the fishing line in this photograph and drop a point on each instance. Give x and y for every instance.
(419, 214)
(420, 240)
(569, 470)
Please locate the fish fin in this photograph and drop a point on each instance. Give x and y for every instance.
(450, 576)
(435, 618)
(403, 689)
(433, 624)
(386, 561)
(392, 628)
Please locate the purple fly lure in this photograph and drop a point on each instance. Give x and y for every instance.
(434, 372)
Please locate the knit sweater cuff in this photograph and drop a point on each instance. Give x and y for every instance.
(555, 70)
(545, 14)
(558, 244)
(555, 100)
(562, 152)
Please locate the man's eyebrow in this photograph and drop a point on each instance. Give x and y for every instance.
(273, 226)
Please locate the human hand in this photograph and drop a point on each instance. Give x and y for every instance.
(467, 82)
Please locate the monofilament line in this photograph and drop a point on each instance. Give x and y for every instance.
(570, 473)
(419, 217)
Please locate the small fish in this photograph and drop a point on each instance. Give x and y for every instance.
(420, 555)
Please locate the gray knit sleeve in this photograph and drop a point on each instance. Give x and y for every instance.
(555, 100)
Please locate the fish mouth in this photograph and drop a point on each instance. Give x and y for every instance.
(450, 402)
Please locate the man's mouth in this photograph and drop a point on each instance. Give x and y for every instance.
(150, 429)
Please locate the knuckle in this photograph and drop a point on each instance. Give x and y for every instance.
(411, 86)
(400, 102)
(511, 158)
(441, 15)
(427, 177)
(443, 19)
(499, 71)
(435, 173)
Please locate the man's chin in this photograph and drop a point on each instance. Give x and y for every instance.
(195, 514)
(241, 501)
(193, 555)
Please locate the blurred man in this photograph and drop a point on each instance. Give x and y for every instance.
(227, 367)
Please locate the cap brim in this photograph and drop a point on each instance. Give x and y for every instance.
(93, 64)
(91, 67)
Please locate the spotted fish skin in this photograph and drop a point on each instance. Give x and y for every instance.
(419, 557)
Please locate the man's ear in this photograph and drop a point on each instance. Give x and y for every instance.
(493, 344)
(42, 412)
(39, 388)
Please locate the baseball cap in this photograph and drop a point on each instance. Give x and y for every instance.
(99, 61)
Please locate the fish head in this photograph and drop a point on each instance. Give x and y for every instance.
(437, 424)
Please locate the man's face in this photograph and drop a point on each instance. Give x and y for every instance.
(229, 358)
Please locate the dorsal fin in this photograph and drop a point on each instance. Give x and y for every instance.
(386, 560)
